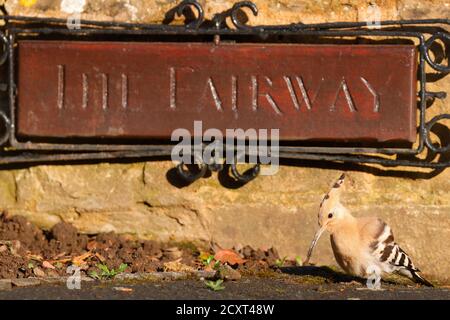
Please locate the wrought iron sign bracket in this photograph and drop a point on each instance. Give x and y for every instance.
(381, 113)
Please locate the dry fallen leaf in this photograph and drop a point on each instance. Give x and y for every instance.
(173, 253)
(100, 257)
(79, 260)
(177, 266)
(61, 260)
(228, 256)
(48, 265)
(38, 272)
(36, 257)
(13, 245)
(123, 289)
(58, 256)
(92, 245)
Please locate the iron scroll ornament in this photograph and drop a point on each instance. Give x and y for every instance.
(230, 24)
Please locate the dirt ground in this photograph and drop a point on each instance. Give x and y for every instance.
(27, 251)
(114, 263)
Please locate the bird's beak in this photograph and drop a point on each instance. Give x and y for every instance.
(314, 242)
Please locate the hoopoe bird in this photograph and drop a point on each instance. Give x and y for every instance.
(361, 246)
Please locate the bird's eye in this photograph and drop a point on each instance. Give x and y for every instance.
(330, 215)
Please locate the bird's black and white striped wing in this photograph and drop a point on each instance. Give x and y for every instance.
(392, 257)
(387, 251)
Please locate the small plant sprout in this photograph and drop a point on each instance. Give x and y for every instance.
(209, 259)
(216, 265)
(206, 258)
(107, 273)
(280, 262)
(94, 275)
(215, 285)
(298, 261)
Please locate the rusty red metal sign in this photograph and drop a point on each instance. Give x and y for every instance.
(146, 90)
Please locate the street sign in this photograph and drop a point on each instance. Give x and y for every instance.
(146, 90)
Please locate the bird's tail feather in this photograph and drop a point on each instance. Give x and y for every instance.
(407, 268)
(419, 279)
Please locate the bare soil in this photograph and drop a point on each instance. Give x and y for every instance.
(27, 251)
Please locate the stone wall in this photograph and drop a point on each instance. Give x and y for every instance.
(278, 210)
(271, 11)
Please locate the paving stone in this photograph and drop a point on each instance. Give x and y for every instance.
(5, 284)
(26, 282)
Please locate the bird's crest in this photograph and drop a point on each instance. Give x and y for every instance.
(334, 193)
